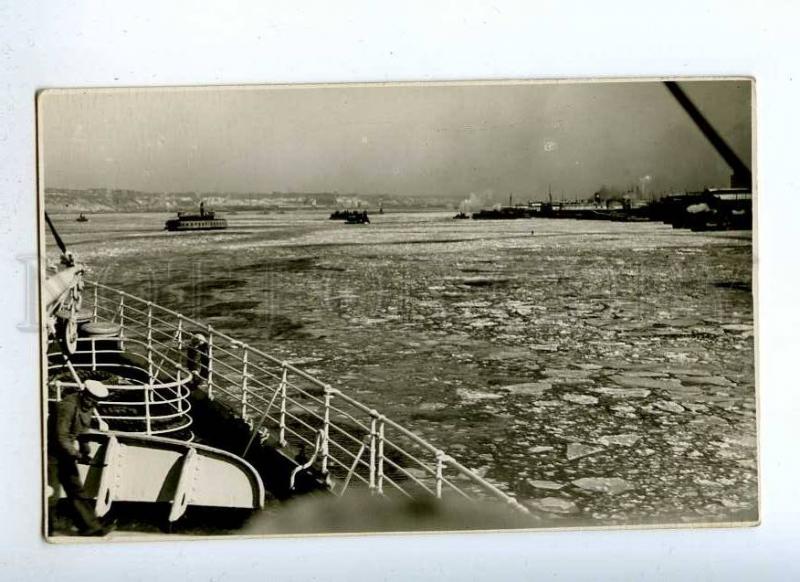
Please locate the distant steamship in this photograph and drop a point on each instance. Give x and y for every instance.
(206, 220)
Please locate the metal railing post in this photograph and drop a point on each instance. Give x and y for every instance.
(121, 321)
(148, 426)
(379, 483)
(210, 371)
(179, 391)
(150, 341)
(439, 469)
(373, 435)
(326, 420)
(282, 388)
(179, 338)
(244, 381)
(179, 341)
(94, 305)
(94, 354)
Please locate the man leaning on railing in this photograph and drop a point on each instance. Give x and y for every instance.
(197, 360)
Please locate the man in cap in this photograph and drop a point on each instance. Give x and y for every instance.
(73, 417)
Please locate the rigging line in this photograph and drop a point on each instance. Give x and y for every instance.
(56, 236)
(261, 421)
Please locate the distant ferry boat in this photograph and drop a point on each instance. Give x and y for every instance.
(203, 221)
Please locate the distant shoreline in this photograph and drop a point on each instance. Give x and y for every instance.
(321, 211)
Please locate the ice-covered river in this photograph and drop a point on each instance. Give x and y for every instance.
(601, 372)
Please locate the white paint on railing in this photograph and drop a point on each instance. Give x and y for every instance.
(148, 425)
(244, 381)
(121, 320)
(180, 400)
(210, 370)
(440, 456)
(380, 453)
(94, 305)
(282, 429)
(326, 421)
(373, 435)
(150, 342)
(179, 336)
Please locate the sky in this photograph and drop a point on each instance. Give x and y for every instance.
(451, 141)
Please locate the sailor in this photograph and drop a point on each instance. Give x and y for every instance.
(197, 358)
(73, 418)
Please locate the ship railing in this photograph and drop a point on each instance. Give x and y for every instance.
(156, 402)
(352, 444)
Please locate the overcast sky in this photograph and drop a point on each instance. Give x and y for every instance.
(412, 140)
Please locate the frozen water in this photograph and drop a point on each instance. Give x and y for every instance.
(485, 326)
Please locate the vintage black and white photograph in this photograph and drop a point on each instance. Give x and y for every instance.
(414, 307)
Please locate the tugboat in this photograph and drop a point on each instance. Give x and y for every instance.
(206, 220)
(351, 216)
(460, 216)
(357, 217)
(82, 218)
